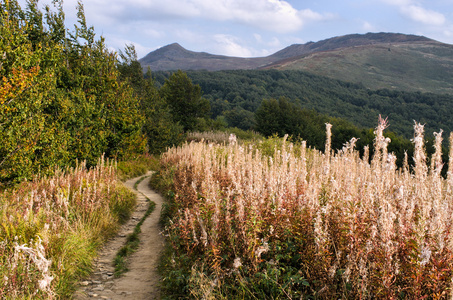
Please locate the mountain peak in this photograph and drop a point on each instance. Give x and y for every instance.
(173, 46)
(170, 50)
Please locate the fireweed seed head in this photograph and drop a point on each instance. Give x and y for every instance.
(237, 263)
(45, 282)
(425, 255)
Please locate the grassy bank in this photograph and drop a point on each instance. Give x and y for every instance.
(51, 228)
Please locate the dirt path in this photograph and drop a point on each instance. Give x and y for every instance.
(142, 280)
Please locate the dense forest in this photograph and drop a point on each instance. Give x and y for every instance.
(236, 95)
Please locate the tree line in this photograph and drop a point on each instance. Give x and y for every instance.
(299, 104)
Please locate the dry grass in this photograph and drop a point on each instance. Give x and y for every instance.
(223, 137)
(51, 227)
(208, 136)
(303, 223)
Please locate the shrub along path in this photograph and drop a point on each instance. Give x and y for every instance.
(142, 280)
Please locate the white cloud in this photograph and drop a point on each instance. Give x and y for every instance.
(425, 16)
(308, 15)
(188, 36)
(448, 33)
(417, 13)
(258, 38)
(273, 15)
(152, 33)
(274, 42)
(229, 45)
(366, 26)
(398, 2)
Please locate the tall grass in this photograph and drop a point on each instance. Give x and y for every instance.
(50, 229)
(307, 224)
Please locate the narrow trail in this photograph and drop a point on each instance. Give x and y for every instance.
(141, 281)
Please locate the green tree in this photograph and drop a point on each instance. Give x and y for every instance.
(26, 77)
(105, 115)
(240, 118)
(185, 101)
(267, 118)
(159, 127)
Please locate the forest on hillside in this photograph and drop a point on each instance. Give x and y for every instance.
(236, 95)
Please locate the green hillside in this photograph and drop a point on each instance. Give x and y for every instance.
(414, 66)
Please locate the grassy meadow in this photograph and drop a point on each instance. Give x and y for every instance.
(277, 220)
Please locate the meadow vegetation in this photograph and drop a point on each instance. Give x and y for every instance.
(279, 220)
(223, 136)
(52, 227)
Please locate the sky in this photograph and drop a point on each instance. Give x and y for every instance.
(255, 28)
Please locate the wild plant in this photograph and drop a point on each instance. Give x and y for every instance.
(51, 227)
(302, 223)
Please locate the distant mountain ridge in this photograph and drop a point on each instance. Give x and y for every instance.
(174, 56)
(377, 60)
(345, 41)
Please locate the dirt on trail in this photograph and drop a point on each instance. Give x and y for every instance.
(142, 280)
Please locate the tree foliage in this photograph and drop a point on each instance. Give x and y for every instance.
(160, 126)
(61, 97)
(185, 101)
(281, 117)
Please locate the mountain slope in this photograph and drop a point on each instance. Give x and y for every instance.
(346, 41)
(411, 66)
(376, 60)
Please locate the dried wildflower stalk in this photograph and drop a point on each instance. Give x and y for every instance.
(387, 230)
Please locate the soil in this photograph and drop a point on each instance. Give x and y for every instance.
(142, 280)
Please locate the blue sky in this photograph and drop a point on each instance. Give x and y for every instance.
(251, 28)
